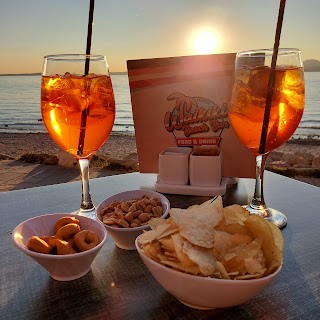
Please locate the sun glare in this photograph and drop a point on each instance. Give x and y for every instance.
(205, 42)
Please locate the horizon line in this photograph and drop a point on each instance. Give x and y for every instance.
(309, 68)
(39, 73)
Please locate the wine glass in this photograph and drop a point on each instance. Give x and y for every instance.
(250, 96)
(78, 109)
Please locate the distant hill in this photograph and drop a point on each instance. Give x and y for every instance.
(312, 65)
(20, 74)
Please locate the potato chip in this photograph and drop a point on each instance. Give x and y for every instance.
(277, 235)
(197, 224)
(209, 240)
(235, 214)
(201, 256)
(152, 251)
(240, 257)
(232, 228)
(179, 266)
(255, 266)
(224, 241)
(182, 257)
(222, 270)
(262, 229)
(170, 256)
(248, 276)
(160, 231)
(235, 264)
(241, 238)
(169, 231)
(154, 222)
(167, 244)
(215, 204)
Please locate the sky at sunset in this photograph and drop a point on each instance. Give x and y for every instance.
(137, 29)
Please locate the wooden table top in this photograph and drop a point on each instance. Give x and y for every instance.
(28, 292)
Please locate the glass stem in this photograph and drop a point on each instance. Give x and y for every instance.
(257, 202)
(86, 202)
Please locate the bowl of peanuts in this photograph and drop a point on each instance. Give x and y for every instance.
(63, 244)
(127, 214)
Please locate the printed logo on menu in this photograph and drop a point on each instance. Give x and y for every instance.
(195, 120)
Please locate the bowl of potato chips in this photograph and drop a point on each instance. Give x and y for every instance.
(211, 257)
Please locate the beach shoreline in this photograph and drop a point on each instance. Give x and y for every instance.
(15, 145)
(119, 146)
(122, 149)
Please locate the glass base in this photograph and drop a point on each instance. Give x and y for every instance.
(89, 213)
(274, 216)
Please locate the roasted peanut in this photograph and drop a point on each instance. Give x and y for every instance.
(124, 207)
(137, 213)
(148, 208)
(155, 211)
(134, 225)
(129, 216)
(131, 213)
(143, 217)
(113, 204)
(105, 211)
(153, 202)
(119, 213)
(109, 222)
(116, 226)
(142, 204)
(138, 206)
(159, 211)
(146, 201)
(123, 223)
(136, 221)
(129, 203)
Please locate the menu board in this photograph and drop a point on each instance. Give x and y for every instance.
(183, 101)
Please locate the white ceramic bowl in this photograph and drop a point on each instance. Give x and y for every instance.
(61, 267)
(124, 238)
(203, 292)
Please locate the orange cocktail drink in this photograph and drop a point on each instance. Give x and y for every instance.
(266, 107)
(248, 103)
(63, 101)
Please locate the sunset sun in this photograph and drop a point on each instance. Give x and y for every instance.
(205, 42)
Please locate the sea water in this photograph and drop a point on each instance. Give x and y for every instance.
(20, 105)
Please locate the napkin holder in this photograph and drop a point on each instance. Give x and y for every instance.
(201, 168)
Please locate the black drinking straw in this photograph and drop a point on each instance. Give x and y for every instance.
(271, 82)
(86, 71)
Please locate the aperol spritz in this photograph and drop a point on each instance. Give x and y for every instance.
(247, 110)
(78, 109)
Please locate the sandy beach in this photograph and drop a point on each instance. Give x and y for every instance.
(123, 147)
(14, 145)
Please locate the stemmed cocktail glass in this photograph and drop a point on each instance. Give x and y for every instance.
(259, 132)
(78, 109)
